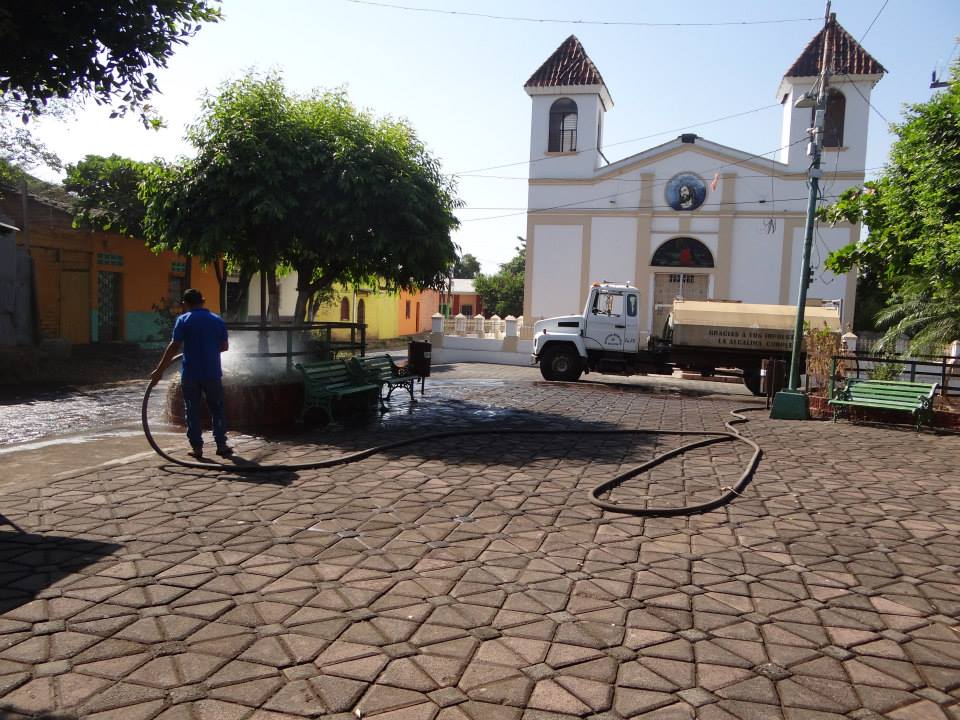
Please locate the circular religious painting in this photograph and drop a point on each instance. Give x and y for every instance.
(685, 191)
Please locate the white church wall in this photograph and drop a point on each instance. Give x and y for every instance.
(613, 249)
(579, 165)
(854, 155)
(608, 195)
(556, 270)
(826, 285)
(755, 264)
(669, 225)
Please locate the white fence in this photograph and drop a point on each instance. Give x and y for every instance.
(504, 341)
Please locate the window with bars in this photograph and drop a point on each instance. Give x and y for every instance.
(833, 120)
(563, 126)
(109, 259)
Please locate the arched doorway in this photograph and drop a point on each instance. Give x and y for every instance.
(690, 262)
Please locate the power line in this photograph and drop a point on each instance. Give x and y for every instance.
(632, 207)
(853, 84)
(574, 21)
(653, 185)
(870, 26)
(620, 142)
(524, 178)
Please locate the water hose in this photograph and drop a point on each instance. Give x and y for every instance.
(706, 438)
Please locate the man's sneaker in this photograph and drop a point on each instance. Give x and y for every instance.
(224, 450)
(196, 451)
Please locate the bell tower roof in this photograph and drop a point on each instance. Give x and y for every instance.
(568, 68)
(845, 56)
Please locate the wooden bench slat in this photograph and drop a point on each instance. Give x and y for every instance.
(382, 370)
(913, 397)
(326, 381)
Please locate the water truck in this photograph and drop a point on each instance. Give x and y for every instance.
(699, 336)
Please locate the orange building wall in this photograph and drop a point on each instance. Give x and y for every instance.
(409, 326)
(62, 256)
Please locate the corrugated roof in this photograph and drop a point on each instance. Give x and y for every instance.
(845, 56)
(569, 65)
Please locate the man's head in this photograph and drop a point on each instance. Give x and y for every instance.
(193, 298)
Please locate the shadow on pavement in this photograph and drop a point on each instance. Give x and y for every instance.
(32, 562)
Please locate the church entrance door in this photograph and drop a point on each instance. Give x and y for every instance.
(669, 286)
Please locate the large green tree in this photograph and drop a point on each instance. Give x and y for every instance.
(467, 266)
(502, 292)
(306, 183)
(100, 50)
(107, 191)
(912, 215)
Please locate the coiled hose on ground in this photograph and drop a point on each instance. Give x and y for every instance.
(706, 438)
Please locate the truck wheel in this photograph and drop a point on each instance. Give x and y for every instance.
(751, 378)
(560, 364)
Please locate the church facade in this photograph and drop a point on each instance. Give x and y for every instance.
(689, 218)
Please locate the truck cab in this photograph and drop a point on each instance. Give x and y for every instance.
(609, 328)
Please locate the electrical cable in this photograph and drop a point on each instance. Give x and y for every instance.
(623, 142)
(617, 23)
(707, 438)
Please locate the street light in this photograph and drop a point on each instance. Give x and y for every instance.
(792, 403)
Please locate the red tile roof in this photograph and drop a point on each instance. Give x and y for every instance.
(569, 65)
(845, 56)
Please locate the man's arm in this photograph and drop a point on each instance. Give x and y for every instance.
(171, 352)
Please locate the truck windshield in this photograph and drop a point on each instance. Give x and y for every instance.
(608, 303)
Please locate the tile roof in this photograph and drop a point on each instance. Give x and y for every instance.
(569, 65)
(845, 56)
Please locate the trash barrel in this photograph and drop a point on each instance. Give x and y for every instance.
(418, 357)
(773, 376)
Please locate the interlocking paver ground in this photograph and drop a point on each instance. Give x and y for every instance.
(470, 578)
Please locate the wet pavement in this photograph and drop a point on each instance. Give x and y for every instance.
(470, 578)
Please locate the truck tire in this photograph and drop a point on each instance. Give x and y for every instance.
(560, 363)
(751, 378)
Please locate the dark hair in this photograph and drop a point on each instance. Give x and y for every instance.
(193, 297)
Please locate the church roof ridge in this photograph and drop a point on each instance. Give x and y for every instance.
(845, 56)
(569, 65)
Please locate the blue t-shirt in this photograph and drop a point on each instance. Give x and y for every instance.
(203, 334)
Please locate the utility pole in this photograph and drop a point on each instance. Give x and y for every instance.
(791, 404)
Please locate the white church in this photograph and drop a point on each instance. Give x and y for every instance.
(689, 218)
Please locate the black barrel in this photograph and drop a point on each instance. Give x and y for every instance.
(418, 357)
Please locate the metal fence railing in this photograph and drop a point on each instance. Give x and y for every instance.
(941, 369)
(321, 340)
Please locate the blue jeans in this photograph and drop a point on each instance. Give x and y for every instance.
(212, 390)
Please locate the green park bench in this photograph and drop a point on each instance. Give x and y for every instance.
(913, 397)
(385, 373)
(327, 381)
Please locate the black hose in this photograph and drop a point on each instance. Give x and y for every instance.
(712, 438)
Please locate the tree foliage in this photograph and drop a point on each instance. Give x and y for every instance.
(100, 50)
(467, 266)
(307, 183)
(502, 292)
(912, 211)
(20, 149)
(912, 214)
(107, 191)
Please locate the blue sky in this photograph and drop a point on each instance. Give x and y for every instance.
(458, 79)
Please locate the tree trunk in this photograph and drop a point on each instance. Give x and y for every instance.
(274, 292)
(242, 312)
(220, 270)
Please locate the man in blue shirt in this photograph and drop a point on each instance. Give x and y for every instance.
(201, 336)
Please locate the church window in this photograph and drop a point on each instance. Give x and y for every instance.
(683, 252)
(833, 121)
(563, 126)
(344, 310)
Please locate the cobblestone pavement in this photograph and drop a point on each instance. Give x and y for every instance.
(470, 578)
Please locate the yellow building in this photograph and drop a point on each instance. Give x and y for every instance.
(387, 315)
